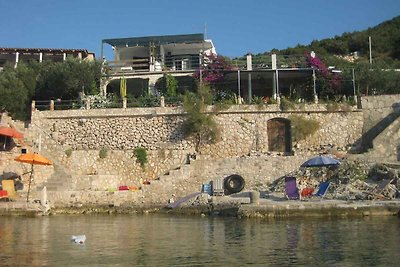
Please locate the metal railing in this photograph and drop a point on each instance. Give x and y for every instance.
(59, 104)
(167, 63)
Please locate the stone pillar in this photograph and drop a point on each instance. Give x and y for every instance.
(16, 59)
(255, 197)
(238, 84)
(315, 87)
(274, 81)
(40, 57)
(51, 105)
(277, 83)
(64, 56)
(249, 68)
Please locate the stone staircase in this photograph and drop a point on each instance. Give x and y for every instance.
(385, 146)
(59, 181)
(176, 183)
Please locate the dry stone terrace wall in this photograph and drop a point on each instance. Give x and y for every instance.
(120, 133)
(243, 129)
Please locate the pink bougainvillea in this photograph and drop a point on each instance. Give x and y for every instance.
(212, 69)
(334, 79)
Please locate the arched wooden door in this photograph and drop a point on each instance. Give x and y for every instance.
(279, 135)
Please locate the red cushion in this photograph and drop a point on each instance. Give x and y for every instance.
(307, 192)
(123, 187)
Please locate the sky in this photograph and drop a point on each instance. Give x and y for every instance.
(236, 27)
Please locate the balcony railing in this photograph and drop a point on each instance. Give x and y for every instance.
(168, 63)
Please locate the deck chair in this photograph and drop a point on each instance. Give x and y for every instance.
(4, 195)
(291, 190)
(376, 192)
(322, 189)
(8, 185)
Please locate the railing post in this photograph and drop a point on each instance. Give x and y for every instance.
(124, 102)
(52, 105)
(162, 101)
(33, 106)
(87, 103)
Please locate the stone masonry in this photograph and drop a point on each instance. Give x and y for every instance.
(74, 138)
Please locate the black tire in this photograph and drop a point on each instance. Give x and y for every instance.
(234, 183)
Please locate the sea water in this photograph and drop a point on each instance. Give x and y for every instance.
(160, 240)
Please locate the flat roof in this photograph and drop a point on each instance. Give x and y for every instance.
(163, 39)
(45, 50)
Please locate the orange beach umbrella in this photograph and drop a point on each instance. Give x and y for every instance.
(33, 159)
(10, 132)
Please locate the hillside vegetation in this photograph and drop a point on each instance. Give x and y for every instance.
(385, 46)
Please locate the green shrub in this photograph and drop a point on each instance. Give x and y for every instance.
(346, 107)
(258, 100)
(68, 152)
(103, 153)
(302, 127)
(141, 156)
(287, 104)
(332, 107)
(171, 84)
(222, 105)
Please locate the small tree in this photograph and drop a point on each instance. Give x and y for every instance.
(198, 124)
(171, 84)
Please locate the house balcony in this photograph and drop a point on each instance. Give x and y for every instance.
(149, 65)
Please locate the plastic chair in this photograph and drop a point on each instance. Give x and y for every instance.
(291, 190)
(4, 195)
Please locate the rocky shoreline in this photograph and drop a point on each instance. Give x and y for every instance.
(222, 206)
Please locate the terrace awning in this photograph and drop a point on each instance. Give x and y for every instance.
(164, 39)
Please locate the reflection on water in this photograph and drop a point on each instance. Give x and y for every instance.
(156, 240)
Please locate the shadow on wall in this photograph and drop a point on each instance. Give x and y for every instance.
(398, 153)
(368, 137)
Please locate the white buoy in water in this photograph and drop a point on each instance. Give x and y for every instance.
(79, 239)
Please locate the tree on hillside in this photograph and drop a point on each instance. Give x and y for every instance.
(14, 95)
(377, 80)
(65, 80)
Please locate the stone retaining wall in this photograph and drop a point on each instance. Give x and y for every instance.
(83, 133)
(381, 131)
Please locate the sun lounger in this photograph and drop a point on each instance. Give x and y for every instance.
(8, 185)
(377, 192)
(322, 189)
(291, 190)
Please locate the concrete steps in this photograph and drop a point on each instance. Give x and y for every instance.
(59, 181)
(385, 145)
